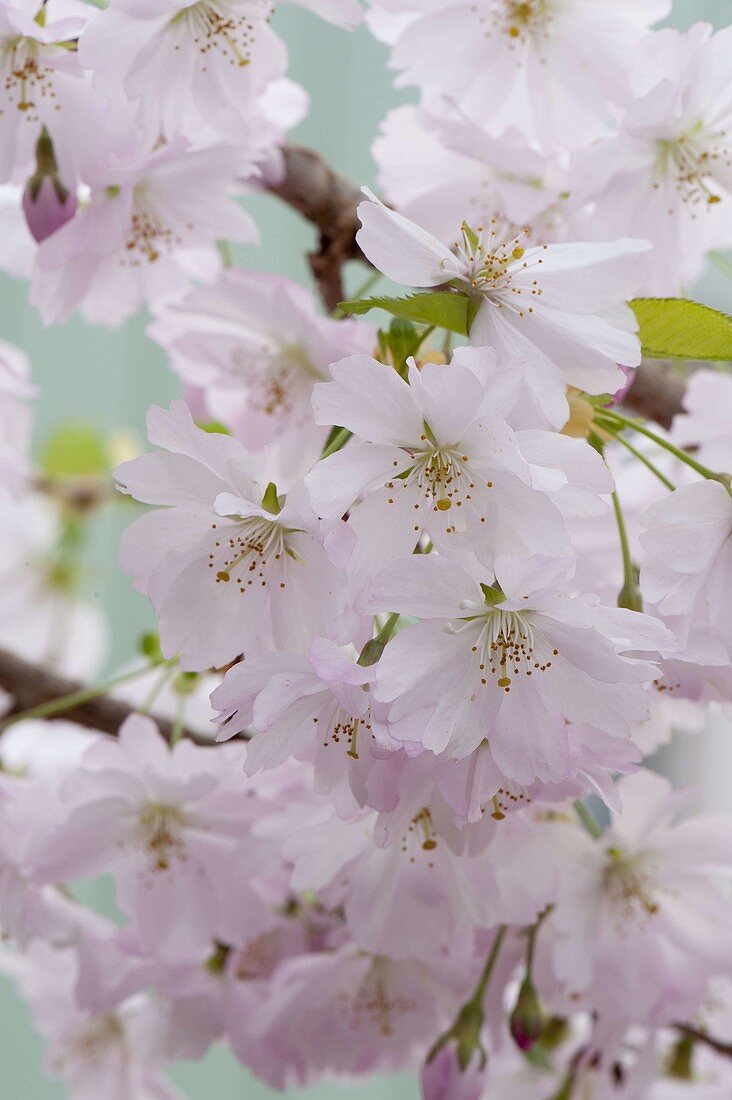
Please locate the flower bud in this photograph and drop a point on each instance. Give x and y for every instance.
(47, 206)
(442, 1077)
(526, 1018)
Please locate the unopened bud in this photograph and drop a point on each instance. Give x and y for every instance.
(47, 204)
(526, 1018)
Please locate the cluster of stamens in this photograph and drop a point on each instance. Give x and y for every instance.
(507, 646)
(421, 832)
(506, 799)
(374, 1004)
(629, 882)
(225, 29)
(342, 728)
(692, 161)
(159, 835)
(91, 1043)
(147, 238)
(491, 256)
(272, 380)
(523, 22)
(27, 78)
(245, 555)
(441, 476)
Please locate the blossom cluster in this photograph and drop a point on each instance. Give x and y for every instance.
(425, 604)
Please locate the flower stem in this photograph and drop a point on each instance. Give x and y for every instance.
(482, 986)
(641, 458)
(629, 596)
(616, 418)
(593, 827)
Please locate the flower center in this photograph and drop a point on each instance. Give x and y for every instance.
(278, 382)
(374, 1003)
(147, 235)
(249, 554)
(228, 28)
(508, 645)
(341, 728)
(491, 257)
(521, 18)
(629, 884)
(692, 161)
(160, 826)
(91, 1043)
(27, 78)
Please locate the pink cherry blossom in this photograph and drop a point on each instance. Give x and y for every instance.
(640, 911)
(256, 345)
(438, 455)
(562, 304)
(223, 570)
(666, 172)
(513, 668)
(687, 543)
(152, 220)
(533, 65)
(225, 55)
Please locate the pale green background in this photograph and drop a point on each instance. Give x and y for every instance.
(110, 378)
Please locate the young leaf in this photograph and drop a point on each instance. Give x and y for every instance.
(676, 328)
(442, 309)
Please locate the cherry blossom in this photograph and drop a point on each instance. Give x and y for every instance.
(223, 566)
(560, 304)
(443, 459)
(552, 69)
(511, 665)
(688, 555)
(256, 345)
(669, 162)
(225, 52)
(41, 76)
(650, 885)
(151, 222)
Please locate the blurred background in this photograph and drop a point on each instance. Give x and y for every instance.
(109, 379)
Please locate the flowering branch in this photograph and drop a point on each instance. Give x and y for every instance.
(329, 200)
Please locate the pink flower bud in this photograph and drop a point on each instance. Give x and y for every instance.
(443, 1079)
(47, 206)
(526, 1018)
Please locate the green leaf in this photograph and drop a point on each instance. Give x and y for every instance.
(676, 328)
(442, 309)
(75, 450)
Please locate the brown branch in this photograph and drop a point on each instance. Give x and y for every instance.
(329, 201)
(657, 392)
(31, 685)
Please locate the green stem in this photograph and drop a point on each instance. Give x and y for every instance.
(338, 441)
(641, 458)
(629, 596)
(683, 456)
(593, 827)
(162, 680)
(482, 986)
(179, 720)
(73, 699)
